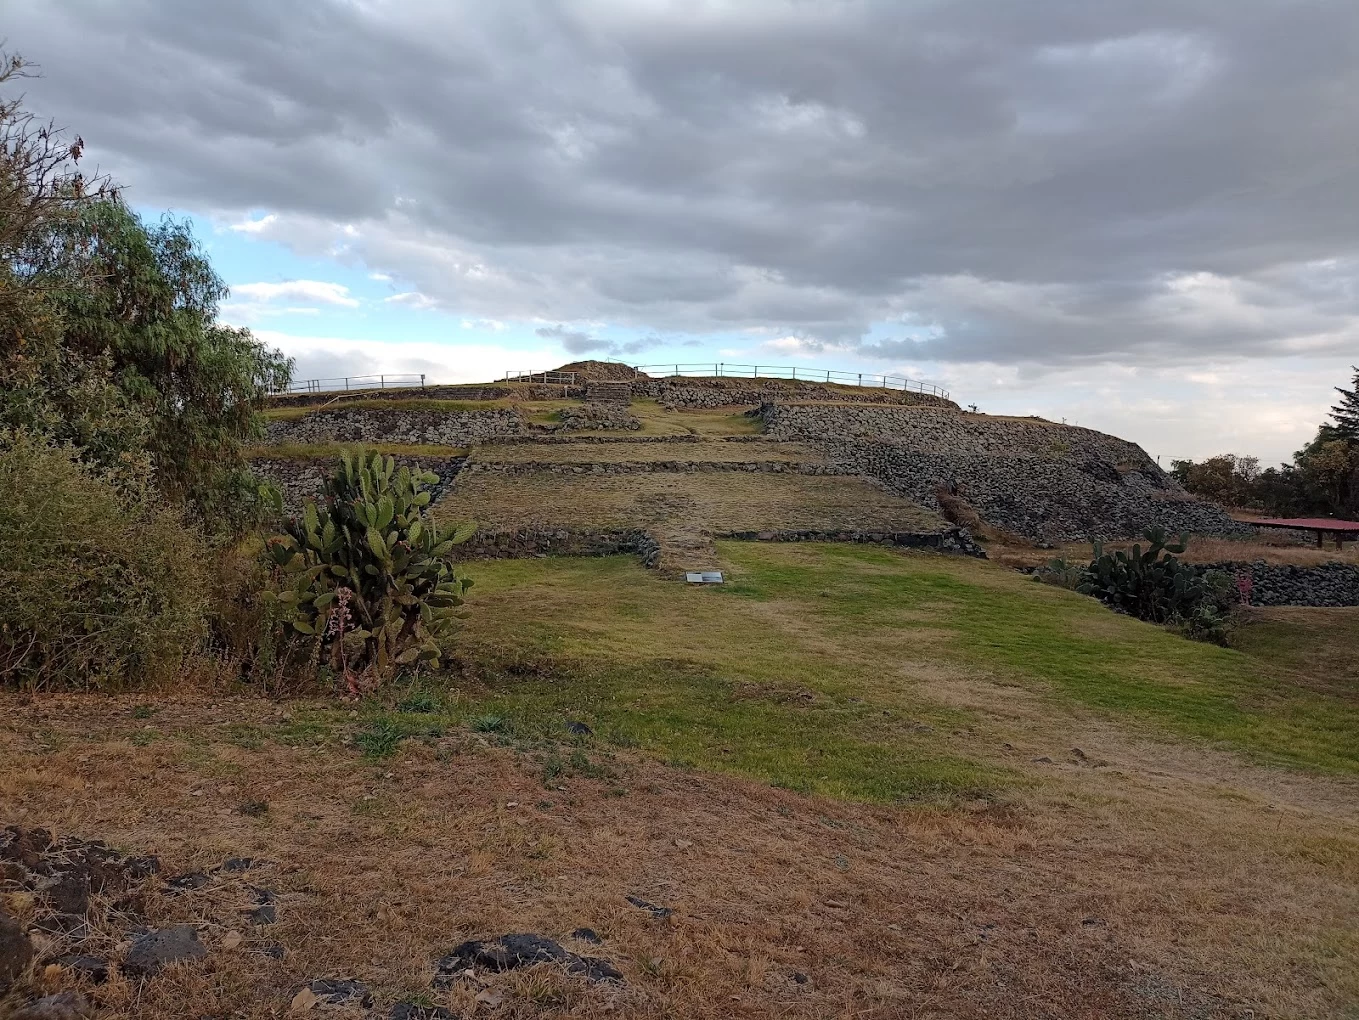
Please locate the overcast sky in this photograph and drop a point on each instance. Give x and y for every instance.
(1142, 216)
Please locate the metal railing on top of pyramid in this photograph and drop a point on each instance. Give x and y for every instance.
(354, 382)
(822, 375)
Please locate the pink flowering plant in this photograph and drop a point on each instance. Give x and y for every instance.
(366, 574)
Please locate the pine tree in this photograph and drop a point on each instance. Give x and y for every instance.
(1346, 413)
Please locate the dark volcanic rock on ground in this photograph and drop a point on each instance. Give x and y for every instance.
(524, 950)
(158, 949)
(16, 950)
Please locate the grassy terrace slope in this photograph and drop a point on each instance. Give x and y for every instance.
(840, 668)
(715, 501)
(870, 784)
(703, 450)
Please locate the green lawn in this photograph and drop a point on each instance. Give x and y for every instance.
(818, 668)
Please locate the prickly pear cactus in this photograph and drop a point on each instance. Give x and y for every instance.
(365, 572)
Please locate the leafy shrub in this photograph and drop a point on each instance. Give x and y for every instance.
(100, 586)
(366, 575)
(1061, 574)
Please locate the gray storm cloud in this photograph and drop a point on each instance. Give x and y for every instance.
(1040, 183)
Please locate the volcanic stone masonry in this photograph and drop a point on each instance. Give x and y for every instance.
(299, 479)
(692, 393)
(1038, 479)
(1329, 584)
(348, 425)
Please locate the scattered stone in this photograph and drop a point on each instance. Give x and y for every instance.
(63, 1006)
(156, 950)
(236, 865)
(16, 950)
(232, 939)
(340, 992)
(253, 808)
(141, 867)
(92, 968)
(491, 997)
(62, 924)
(24, 845)
(588, 935)
(511, 951)
(593, 969)
(273, 950)
(266, 914)
(653, 909)
(579, 729)
(70, 893)
(800, 977)
(413, 1011)
(1045, 760)
(187, 882)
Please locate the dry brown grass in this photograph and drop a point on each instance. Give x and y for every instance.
(1129, 887)
(611, 453)
(712, 501)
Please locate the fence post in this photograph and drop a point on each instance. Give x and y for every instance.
(346, 383)
(422, 380)
(794, 373)
(382, 382)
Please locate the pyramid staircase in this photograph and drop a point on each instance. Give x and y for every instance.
(600, 391)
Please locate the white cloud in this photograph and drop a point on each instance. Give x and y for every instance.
(335, 358)
(296, 290)
(411, 299)
(259, 226)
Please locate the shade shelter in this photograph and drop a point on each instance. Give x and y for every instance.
(1343, 531)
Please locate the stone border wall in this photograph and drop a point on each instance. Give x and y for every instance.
(300, 479)
(528, 543)
(599, 417)
(474, 391)
(445, 428)
(950, 540)
(1274, 584)
(700, 392)
(643, 467)
(687, 437)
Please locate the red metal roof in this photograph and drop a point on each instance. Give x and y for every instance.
(1310, 523)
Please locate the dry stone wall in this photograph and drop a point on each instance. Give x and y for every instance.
(526, 543)
(598, 418)
(707, 393)
(950, 540)
(446, 428)
(479, 391)
(1272, 584)
(643, 467)
(1044, 481)
(300, 479)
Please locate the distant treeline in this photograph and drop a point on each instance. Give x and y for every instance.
(1322, 480)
